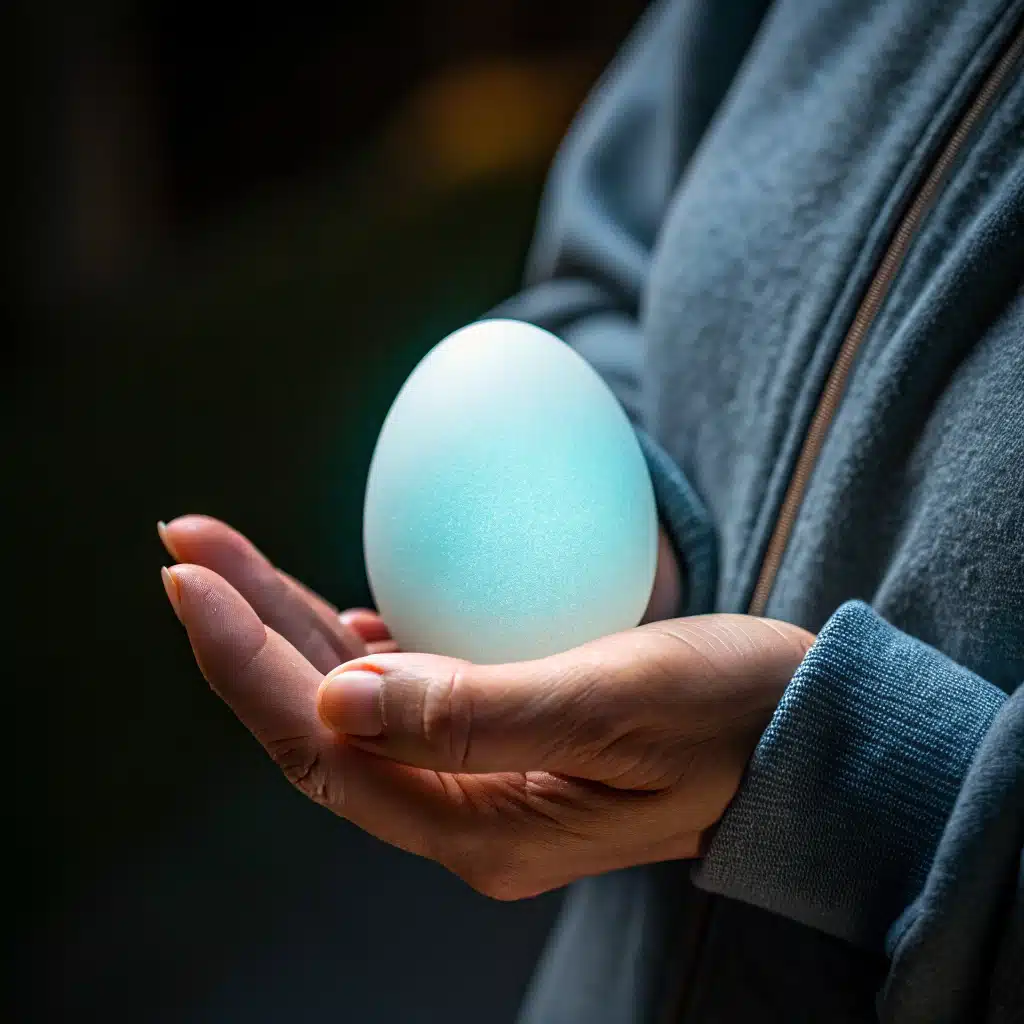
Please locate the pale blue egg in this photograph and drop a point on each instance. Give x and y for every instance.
(509, 512)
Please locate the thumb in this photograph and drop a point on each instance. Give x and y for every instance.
(448, 714)
(593, 712)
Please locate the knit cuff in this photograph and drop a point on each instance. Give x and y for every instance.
(845, 798)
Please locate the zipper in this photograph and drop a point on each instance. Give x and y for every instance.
(867, 312)
(828, 403)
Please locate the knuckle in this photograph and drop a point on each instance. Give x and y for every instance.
(302, 766)
(446, 717)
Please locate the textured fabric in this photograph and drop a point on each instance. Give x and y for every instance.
(687, 523)
(867, 752)
(958, 950)
(710, 227)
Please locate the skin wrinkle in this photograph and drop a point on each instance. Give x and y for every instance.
(538, 797)
(637, 777)
(590, 735)
(740, 638)
(720, 636)
(303, 768)
(660, 630)
(335, 796)
(716, 639)
(459, 745)
(316, 781)
(254, 659)
(385, 718)
(804, 641)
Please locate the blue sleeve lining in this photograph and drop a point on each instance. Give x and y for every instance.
(688, 524)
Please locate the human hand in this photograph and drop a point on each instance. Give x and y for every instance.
(519, 778)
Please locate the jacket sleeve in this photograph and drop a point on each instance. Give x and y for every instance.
(885, 805)
(604, 202)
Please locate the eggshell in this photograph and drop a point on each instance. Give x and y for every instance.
(509, 512)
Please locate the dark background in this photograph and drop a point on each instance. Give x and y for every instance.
(233, 231)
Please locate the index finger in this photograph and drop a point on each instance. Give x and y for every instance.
(281, 602)
(272, 688)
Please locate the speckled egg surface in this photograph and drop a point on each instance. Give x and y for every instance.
(509, 512)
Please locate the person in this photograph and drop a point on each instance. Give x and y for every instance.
(789, 236)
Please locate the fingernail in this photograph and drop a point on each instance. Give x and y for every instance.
(171, 587)
(165, 539)
(350, 702)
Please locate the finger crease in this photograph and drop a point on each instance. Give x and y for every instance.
(251, 660)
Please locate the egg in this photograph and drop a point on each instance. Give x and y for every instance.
(509, 513)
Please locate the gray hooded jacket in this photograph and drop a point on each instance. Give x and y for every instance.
(791, 237)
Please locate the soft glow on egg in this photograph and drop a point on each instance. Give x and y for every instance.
(509, 513)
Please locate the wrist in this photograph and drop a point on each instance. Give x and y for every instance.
(785, 649)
